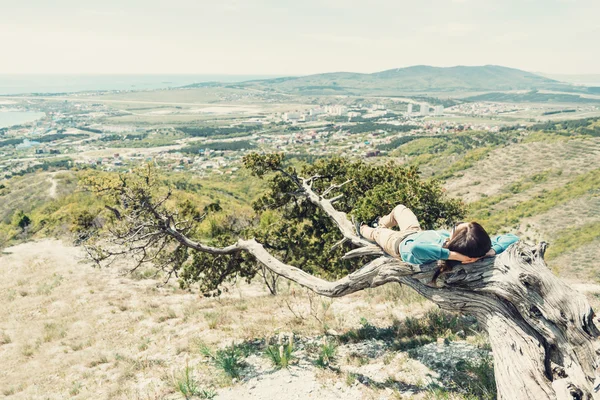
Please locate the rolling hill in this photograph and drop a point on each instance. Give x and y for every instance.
(412, 79)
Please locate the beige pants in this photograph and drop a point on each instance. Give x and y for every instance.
(387, 238)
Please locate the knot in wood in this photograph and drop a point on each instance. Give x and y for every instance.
(531, 282)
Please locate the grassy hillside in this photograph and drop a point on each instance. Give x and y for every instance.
(542, 184)
(56, 206)
(532, 97)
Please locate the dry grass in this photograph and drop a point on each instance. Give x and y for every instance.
(93, 333)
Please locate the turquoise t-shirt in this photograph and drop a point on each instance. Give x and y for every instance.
(426, 246)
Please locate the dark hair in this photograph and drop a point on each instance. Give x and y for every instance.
(471, 241)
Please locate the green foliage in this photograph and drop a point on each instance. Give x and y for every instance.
(469, 160)
(587, 126)
(280, 355)
(222, 146)
(41, 139)
(288, 224)
(127, 136)
(21, 220)
(373, 127)
(301, 234)
(459, 143)
(52, 165)
(209, 131)
(326, 354)
(394, 144)
(230, 360)
(189, 387)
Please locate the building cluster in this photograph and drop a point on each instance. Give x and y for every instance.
(316, 131)
(424, 109)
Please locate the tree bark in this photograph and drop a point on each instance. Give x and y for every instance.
(542, 332)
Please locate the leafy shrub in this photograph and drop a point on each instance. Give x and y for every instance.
(21, 220)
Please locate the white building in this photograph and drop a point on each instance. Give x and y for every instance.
(337, 110)
(410, 108)
(291, 116)
(438, 110)
(424, 109)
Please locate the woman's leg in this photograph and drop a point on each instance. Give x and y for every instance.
(402, 217)
(384, 237)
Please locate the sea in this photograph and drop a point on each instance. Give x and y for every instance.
(59, 83)
(10, 118)
(23, 84)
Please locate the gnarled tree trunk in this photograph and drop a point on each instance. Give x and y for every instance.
(542, 332)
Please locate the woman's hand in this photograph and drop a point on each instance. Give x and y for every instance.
(462, 258)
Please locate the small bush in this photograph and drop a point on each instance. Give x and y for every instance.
(280, 355)
(189, 387)
(21, 220)
(229, 360)
(326, 357)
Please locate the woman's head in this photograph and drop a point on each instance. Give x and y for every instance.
(469, 239)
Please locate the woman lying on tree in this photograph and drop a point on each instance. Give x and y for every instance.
(466, 243)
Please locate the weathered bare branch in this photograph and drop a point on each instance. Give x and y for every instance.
(542, 332)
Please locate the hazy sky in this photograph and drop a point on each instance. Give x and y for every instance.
(295, 36)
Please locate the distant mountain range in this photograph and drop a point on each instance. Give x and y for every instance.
(416, 79)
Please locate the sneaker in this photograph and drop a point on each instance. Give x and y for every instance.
(357, 226)
(375, 223)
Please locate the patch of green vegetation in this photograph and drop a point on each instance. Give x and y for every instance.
(470, 158)
(189, 387)
(326, 354)
(141, 140)
(586, 126)
(572, 238)
(546, 137)
(220, 146)
(77, 212)
(52, 165)
(532, 97)
(230, 360)
(210, 131)
(373, 127)
(394, 144)
(413, 332)
(469, 147)
(494, 221)
(280, 355)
